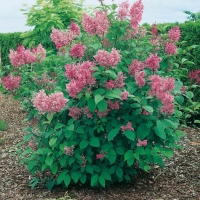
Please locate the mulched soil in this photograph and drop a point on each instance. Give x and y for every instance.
(180, 180)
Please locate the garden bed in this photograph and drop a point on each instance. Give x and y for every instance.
(179, 180)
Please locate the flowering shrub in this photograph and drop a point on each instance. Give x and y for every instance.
(113, 108)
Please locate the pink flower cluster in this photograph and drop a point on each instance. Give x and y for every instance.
(142, 143)
(170, 48)
(80, 75)
(194, 76)
(96, 26)
(77, 50)
(69, 151)
(101, 155)
(24, 56)
(52, 103)
(123, 10)
(64, 38)
(117, 83)
(161, 88)
(124, 95)
(154, 30)
(174, 34)
(127, 127)
(76, 112)
(135, 13)
(153, 62)
(11, 82)
(113, 105)
(136, 70)
(107, 59)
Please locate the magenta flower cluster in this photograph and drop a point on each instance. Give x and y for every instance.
(107, 59)
(55, 102)
(194, 76)
(24, 56)
(11, 82)
(77, 50)
(97, 25)
(79, 75)
(153, 62)
(161, 88)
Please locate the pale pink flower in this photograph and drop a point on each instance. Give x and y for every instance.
(154, 30)
(174, 34)
(87, 112)
(102, 114)
(144, 112)
(153, 62)
(75, 28)
(107, 59)
(77, 50)
(11, 82)
(119, 81)
(142, 143)
(75, 112)
(123, 10)
(124, 95)
(170, 48)
(142, 31)
(40, 52)
(109, 84)
(135, 67)
(113, 105)
(101, 155)
(96, 26)
(194, 76)
(69, 151)
(127, 127)
(140, 78)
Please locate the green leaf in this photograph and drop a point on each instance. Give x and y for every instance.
(49, 160)
(62, 162)
(111, 156)
(95, 142)
(130, 161)
(102, 181)
(52, 141)
(189, 94)
(112, 94)
(67, 180)
(83, 178)
(106, 175)
(120, 150)
(54, 168)
(31, 165)
(102, 105)
(91, 105)
(143, 131)
(119, 172)
(113, 133)
(99, 91)
(62, 176)
(128, 154)
(89, 169)
(58, 125)
(159, 130)
(94, 179)
(50, 184)
(129, 134)
(197, 121)
(83, 144)
(148, 108)
(75, 177)
(98, 98)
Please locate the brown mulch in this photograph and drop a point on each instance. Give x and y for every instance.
(180, 180)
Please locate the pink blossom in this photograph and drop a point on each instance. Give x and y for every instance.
(84, 160)
(75, 112)
(32, 145)
(24, 56)
(156, 40)
(61, 38)
(113, 105)
(153, 62)
(75, 28)
(136, 12)
(11, 82)
(109, 84)
(119, 81)
(102, 114)
(154, 30)
(52, 103)
(141, 143)
(69, 151)
(161, 87)
(80, 75)
(77, 50)
(127, 127)
(170, 48)
(123, 10)
(183, 88)
(87, 112)
(135, 67)
(101, 155)
(96, 26)
(140, 78)
(174, 34)
(142, 31)
(124, 95)
(107, 59)
(194, 76)
(144, 112)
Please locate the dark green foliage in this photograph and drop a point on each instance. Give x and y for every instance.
(3, 125)
(8, 41)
